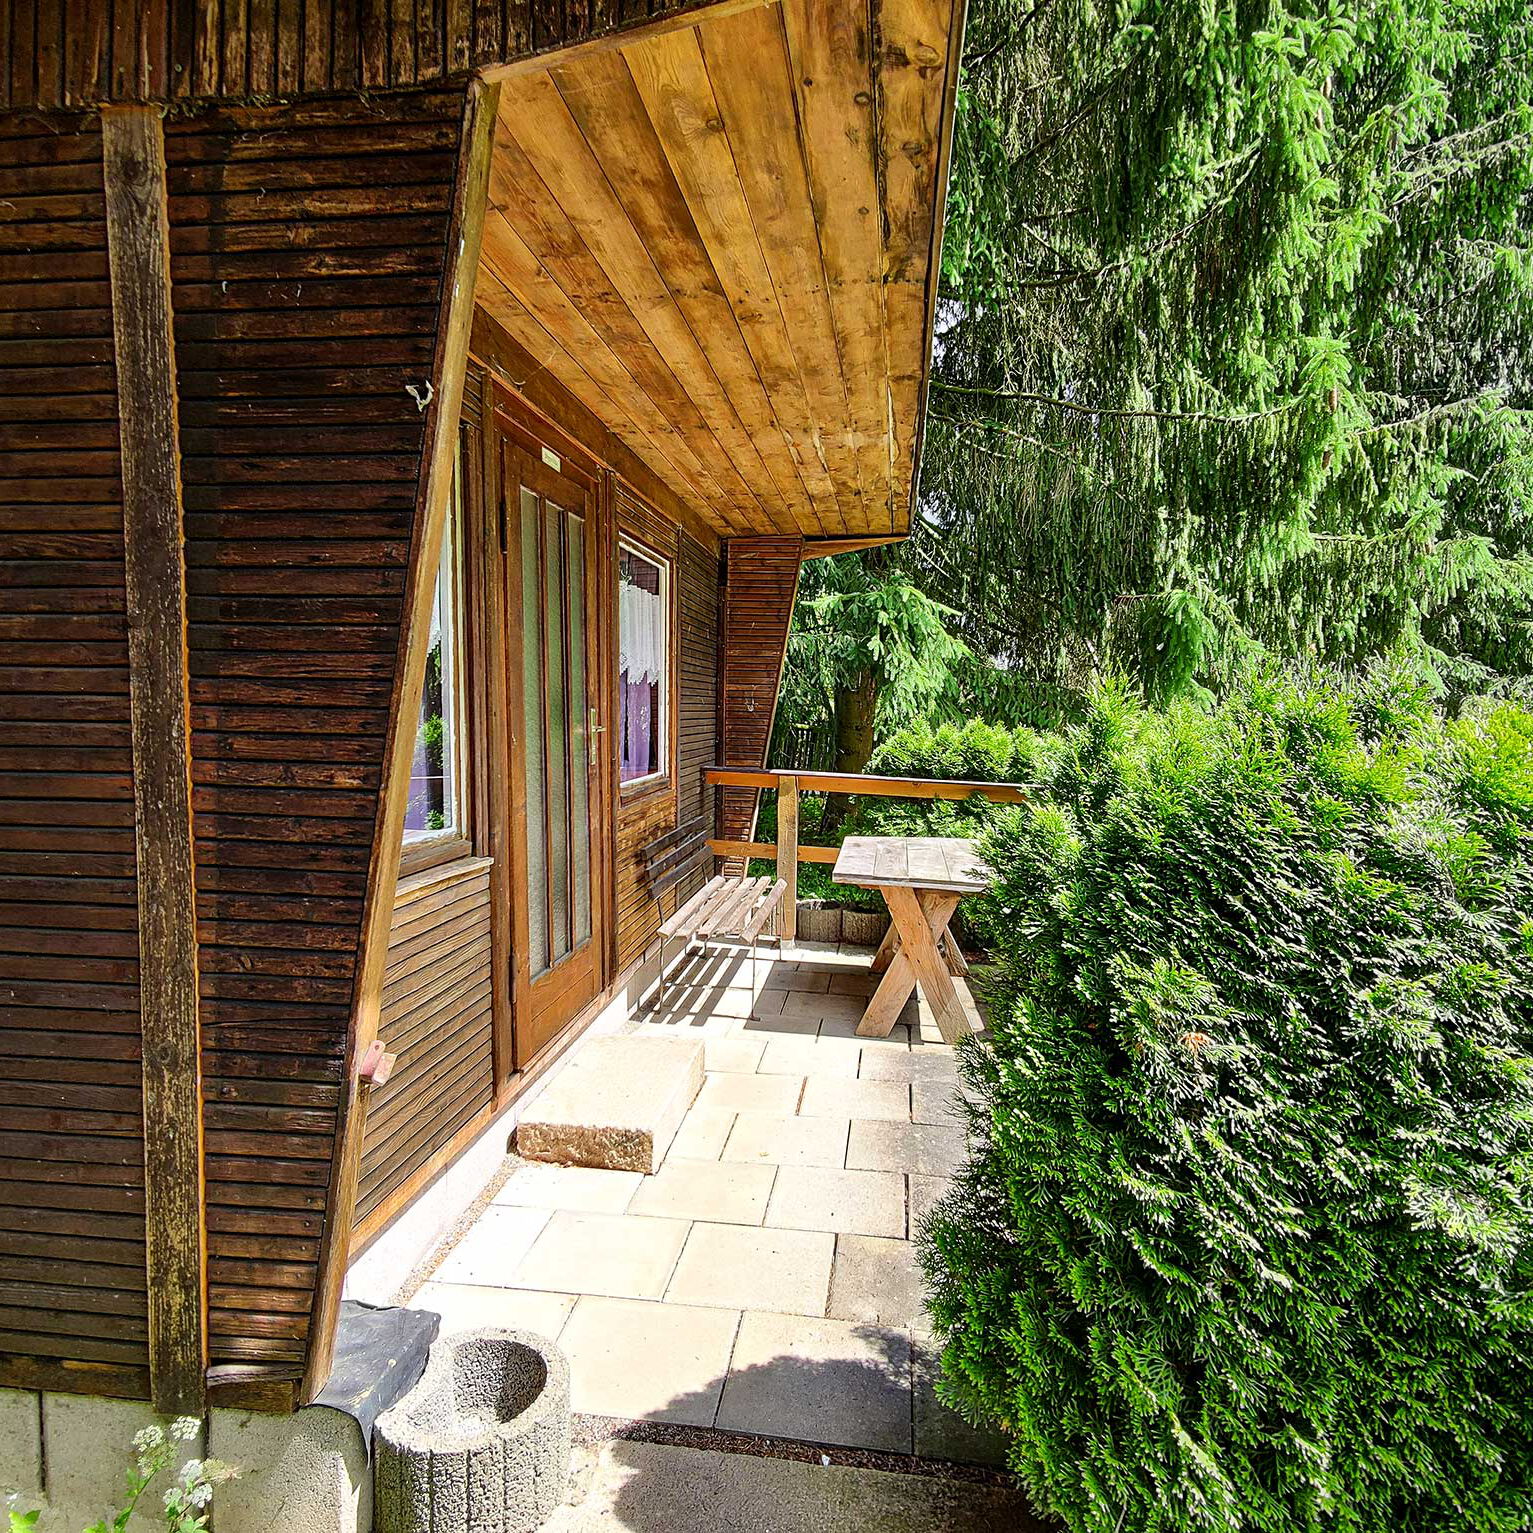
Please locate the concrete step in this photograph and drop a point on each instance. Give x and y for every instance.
(616, 1105)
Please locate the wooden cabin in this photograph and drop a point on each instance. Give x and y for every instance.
(413, 420)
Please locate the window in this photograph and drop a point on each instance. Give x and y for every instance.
(644, 665)
(434, 809)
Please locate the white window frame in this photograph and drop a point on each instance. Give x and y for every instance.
(662, 774)
(419, 844)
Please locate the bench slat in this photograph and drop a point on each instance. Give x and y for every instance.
(685, 921)
(771, 901)
(726, 913)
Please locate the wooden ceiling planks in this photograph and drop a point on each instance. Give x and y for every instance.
(722, 239)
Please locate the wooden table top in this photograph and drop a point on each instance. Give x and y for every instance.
(916, 862)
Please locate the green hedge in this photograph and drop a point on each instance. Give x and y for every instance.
(1246, 1240)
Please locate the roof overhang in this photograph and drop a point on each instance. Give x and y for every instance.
(722, 236)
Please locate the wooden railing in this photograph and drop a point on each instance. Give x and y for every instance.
(787, 850)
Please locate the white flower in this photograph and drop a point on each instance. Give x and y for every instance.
(185, 1428)
(201, 1494)
(146, 1439)
(191, 1470)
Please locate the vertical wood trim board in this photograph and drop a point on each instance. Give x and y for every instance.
(466, 224)
(760, 584)
(138, 251)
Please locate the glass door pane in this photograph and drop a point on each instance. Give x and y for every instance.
(555, 718)
(556, 697)
(579, 717)
(532, 725)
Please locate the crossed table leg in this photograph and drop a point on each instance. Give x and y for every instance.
(912, 954)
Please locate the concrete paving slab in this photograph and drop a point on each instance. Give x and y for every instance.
(585, 1189)
(936, 1101)
(824, 1008)
(876, 1281)
(854, 983)
(843, 1202)
(789, 976)
(898, 1040)
(471, 1307)
(703, 1133)
(927, 1149)
(924, 1191)
(925, 1064)
(491, 1251)
(751, 1093)
(656, 1362)
(780, 1026)
(836, 1058)
(856, 1099)
(725, 1192)
(619, 1256)
(738, 1054)
(941, 1433)
(617, 1104)
(640, 1487)
(828, 1381)
(737, 1266)
(787, 1140)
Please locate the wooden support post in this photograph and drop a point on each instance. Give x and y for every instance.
(787, 853)
(470, 198)
(175, 1236)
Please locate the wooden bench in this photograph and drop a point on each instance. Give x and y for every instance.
(744, 910)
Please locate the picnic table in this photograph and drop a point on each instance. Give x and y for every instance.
(922, 879)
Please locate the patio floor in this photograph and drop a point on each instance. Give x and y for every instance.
(764, 1281)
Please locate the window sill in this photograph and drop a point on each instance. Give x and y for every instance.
(642, 788)
(424, 880)
(418, 856)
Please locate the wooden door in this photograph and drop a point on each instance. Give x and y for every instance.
(559, 811)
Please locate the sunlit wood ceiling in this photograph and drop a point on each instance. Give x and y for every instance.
(721, 239)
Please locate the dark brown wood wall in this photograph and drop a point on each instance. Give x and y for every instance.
(697, 735)
(761, 580)
(57, 53)
(307, 246)
(71, 1154)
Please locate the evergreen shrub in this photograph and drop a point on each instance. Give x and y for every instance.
(1245, 1240)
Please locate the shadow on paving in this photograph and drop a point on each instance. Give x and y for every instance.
(747, 1474)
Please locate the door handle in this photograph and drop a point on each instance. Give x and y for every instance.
(592, 727)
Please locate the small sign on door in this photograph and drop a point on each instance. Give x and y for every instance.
(552, 459)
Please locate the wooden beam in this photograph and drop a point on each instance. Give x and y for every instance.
(868, 786)
(787, 853)
(470, 194)
(734, 849)
(826, 548)
(175, 1235)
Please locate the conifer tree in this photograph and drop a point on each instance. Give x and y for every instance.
(1236, 341)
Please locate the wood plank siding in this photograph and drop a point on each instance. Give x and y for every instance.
(437, 1018)
(761, 581)
(306, 265)
(71, 1153)
(54, 55)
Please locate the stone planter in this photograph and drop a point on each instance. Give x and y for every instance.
(818, 922)
(866, 928)
(482, 1443)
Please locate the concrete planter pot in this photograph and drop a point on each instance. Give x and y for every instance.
(866, 928)
(482, 1443)
(818, 922)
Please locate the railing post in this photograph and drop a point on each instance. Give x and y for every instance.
(787, 853)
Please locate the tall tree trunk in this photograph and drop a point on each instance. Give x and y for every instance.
(855, 709)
